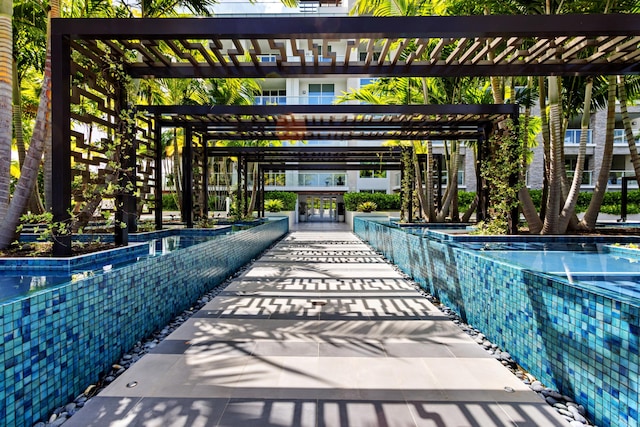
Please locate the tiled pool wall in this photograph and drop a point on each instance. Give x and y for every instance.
(584, 344)
(55, 343)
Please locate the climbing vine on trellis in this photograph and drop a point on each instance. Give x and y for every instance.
(501, 171)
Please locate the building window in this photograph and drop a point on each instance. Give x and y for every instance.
(368, 81)
(321, 93)
(272, 97)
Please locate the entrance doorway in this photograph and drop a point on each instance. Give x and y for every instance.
(321, 207)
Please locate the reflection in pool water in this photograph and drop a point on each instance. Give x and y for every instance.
(589, 265)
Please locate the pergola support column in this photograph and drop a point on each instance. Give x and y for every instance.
(187, 177)
(205, 178)
(514, 215)
(157, 130)
(61, 139)
(126, 207)
(261, 191)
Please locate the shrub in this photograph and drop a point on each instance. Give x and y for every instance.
(273, 205)
(169, 203)
(287, 198)
(384, 202)
(465, 198)
(367, 207)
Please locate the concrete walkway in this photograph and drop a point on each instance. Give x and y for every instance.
(320, 331)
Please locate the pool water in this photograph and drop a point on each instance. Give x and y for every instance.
(586, 265)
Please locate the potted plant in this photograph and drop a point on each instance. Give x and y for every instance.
(367, 207)
(273, 205)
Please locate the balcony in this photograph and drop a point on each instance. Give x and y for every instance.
(615, 177)
(587, 177)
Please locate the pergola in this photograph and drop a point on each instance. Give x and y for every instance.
(91, 56)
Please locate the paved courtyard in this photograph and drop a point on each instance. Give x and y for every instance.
(320, 331)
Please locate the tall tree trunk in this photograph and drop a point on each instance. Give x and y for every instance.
(572, 198)
(546, 146)
(35, 203)
(18, 129)
(591, 215)
(551, 220)
(177, 175)
(6, 79)
(254, 189)
(420, 190)
(452, 183)
(626, 121)
(31, 166)
(528, 207)
(429, 207)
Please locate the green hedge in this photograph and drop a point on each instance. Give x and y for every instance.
(385, 202)
(610, 204)
(286, 197)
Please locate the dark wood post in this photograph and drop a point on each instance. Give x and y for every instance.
(157, 135)
(61, 137)
(187, 177)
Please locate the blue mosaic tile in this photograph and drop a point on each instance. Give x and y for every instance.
(577, 340)
(54, 343)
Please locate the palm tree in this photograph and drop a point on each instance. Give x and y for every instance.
(6, 93)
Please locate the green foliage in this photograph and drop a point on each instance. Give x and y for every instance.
(169, 203)
(287, 198)
(384, 202)
(273, 205)
(499, 170)
(465, 198)
(367, 207)
(495, 226)
(144, 226)
(206, 223)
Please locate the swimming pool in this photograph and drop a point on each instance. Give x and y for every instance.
(566, 308)
(21, 277)
(56, 341)
(593, 266)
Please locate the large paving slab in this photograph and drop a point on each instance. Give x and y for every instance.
(320, 331)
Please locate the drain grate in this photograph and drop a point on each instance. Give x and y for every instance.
(319, 303)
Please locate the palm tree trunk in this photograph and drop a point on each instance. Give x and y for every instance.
(546, 146)
(29, 172)
(572, 198)
(177, 175)
(17, 116)
(452, 183)
(551, 220)
(35, 203)
(591, 215)
(626, 121)
(526, 203)
(419, 183)
(6, 78)
(254, 189)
